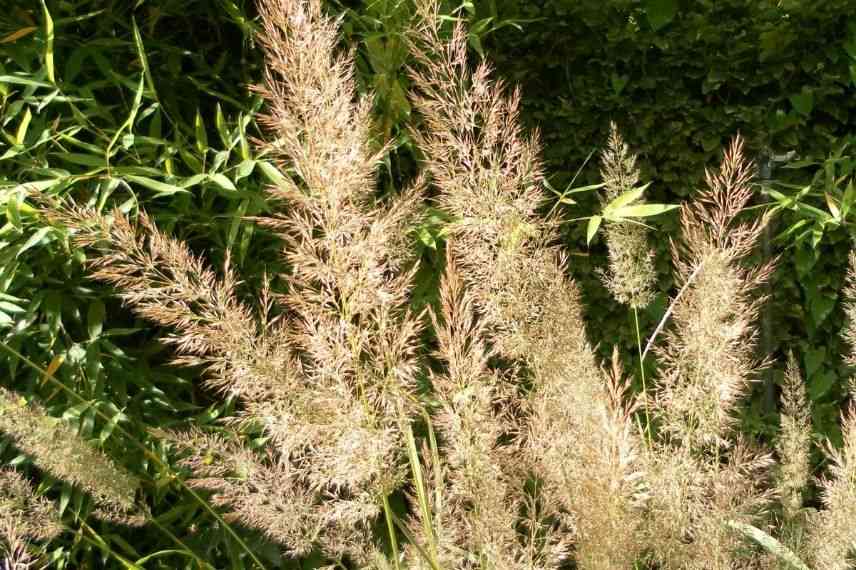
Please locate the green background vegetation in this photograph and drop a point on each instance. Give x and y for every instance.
(145, 105)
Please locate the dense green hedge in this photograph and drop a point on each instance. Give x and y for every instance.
(680, 78)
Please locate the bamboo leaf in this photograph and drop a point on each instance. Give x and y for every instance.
(49, 44)
(642, 211)
(593, 225)
(21, 133)
(162, 188)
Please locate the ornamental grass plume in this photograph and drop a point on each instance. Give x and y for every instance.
(55, 447)
(24, 517)
(831, 533)
(794, 442)
(484, 516)
(631, 276)
(326, 370)
(702, 473)
(489, 180)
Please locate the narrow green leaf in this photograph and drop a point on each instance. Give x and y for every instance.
(162, 188)
(95, 319)
(642, 210)
(49, 44)
(21, 133)
(132, 116)
(34, 239)
(769, 543)
(201, 135)
(141, 53)
(272, 173)
(222, 127)
(23, 80)
(223, 182)
(627, 198)
(593, 225)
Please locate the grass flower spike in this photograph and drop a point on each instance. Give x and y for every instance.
(632, 276)
(55, 447)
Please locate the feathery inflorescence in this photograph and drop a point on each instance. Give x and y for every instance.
(24, 517)
(484, 509)
(702, 473)
(55, 447)
(794, 442)
(631, 276)
(707, 357)
(326, 370)
(489, 178)
(831, 532)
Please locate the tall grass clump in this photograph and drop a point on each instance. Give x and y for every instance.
(508, 445)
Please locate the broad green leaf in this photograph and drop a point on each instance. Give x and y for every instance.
(593, 225)
(803, 102)
(49, 44)
(833, 207)
(624, 199)
(847, 200)
(162, 188)
(38, 186)
(83, 159)
(660, 12)
(193, 180)
(12, 213)
(244, 169)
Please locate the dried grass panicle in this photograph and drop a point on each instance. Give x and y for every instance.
(55, 447)
(631, 277)
(831, 533)
(328, 369)
(704, 473)
(483, 489)
(15, 549)
(794, 442)
(708, 357)
(489, 179)
(24, 515)
(691, 498)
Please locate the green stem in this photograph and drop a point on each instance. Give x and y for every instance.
(145, 450)
(390, 527)
(642, 373)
